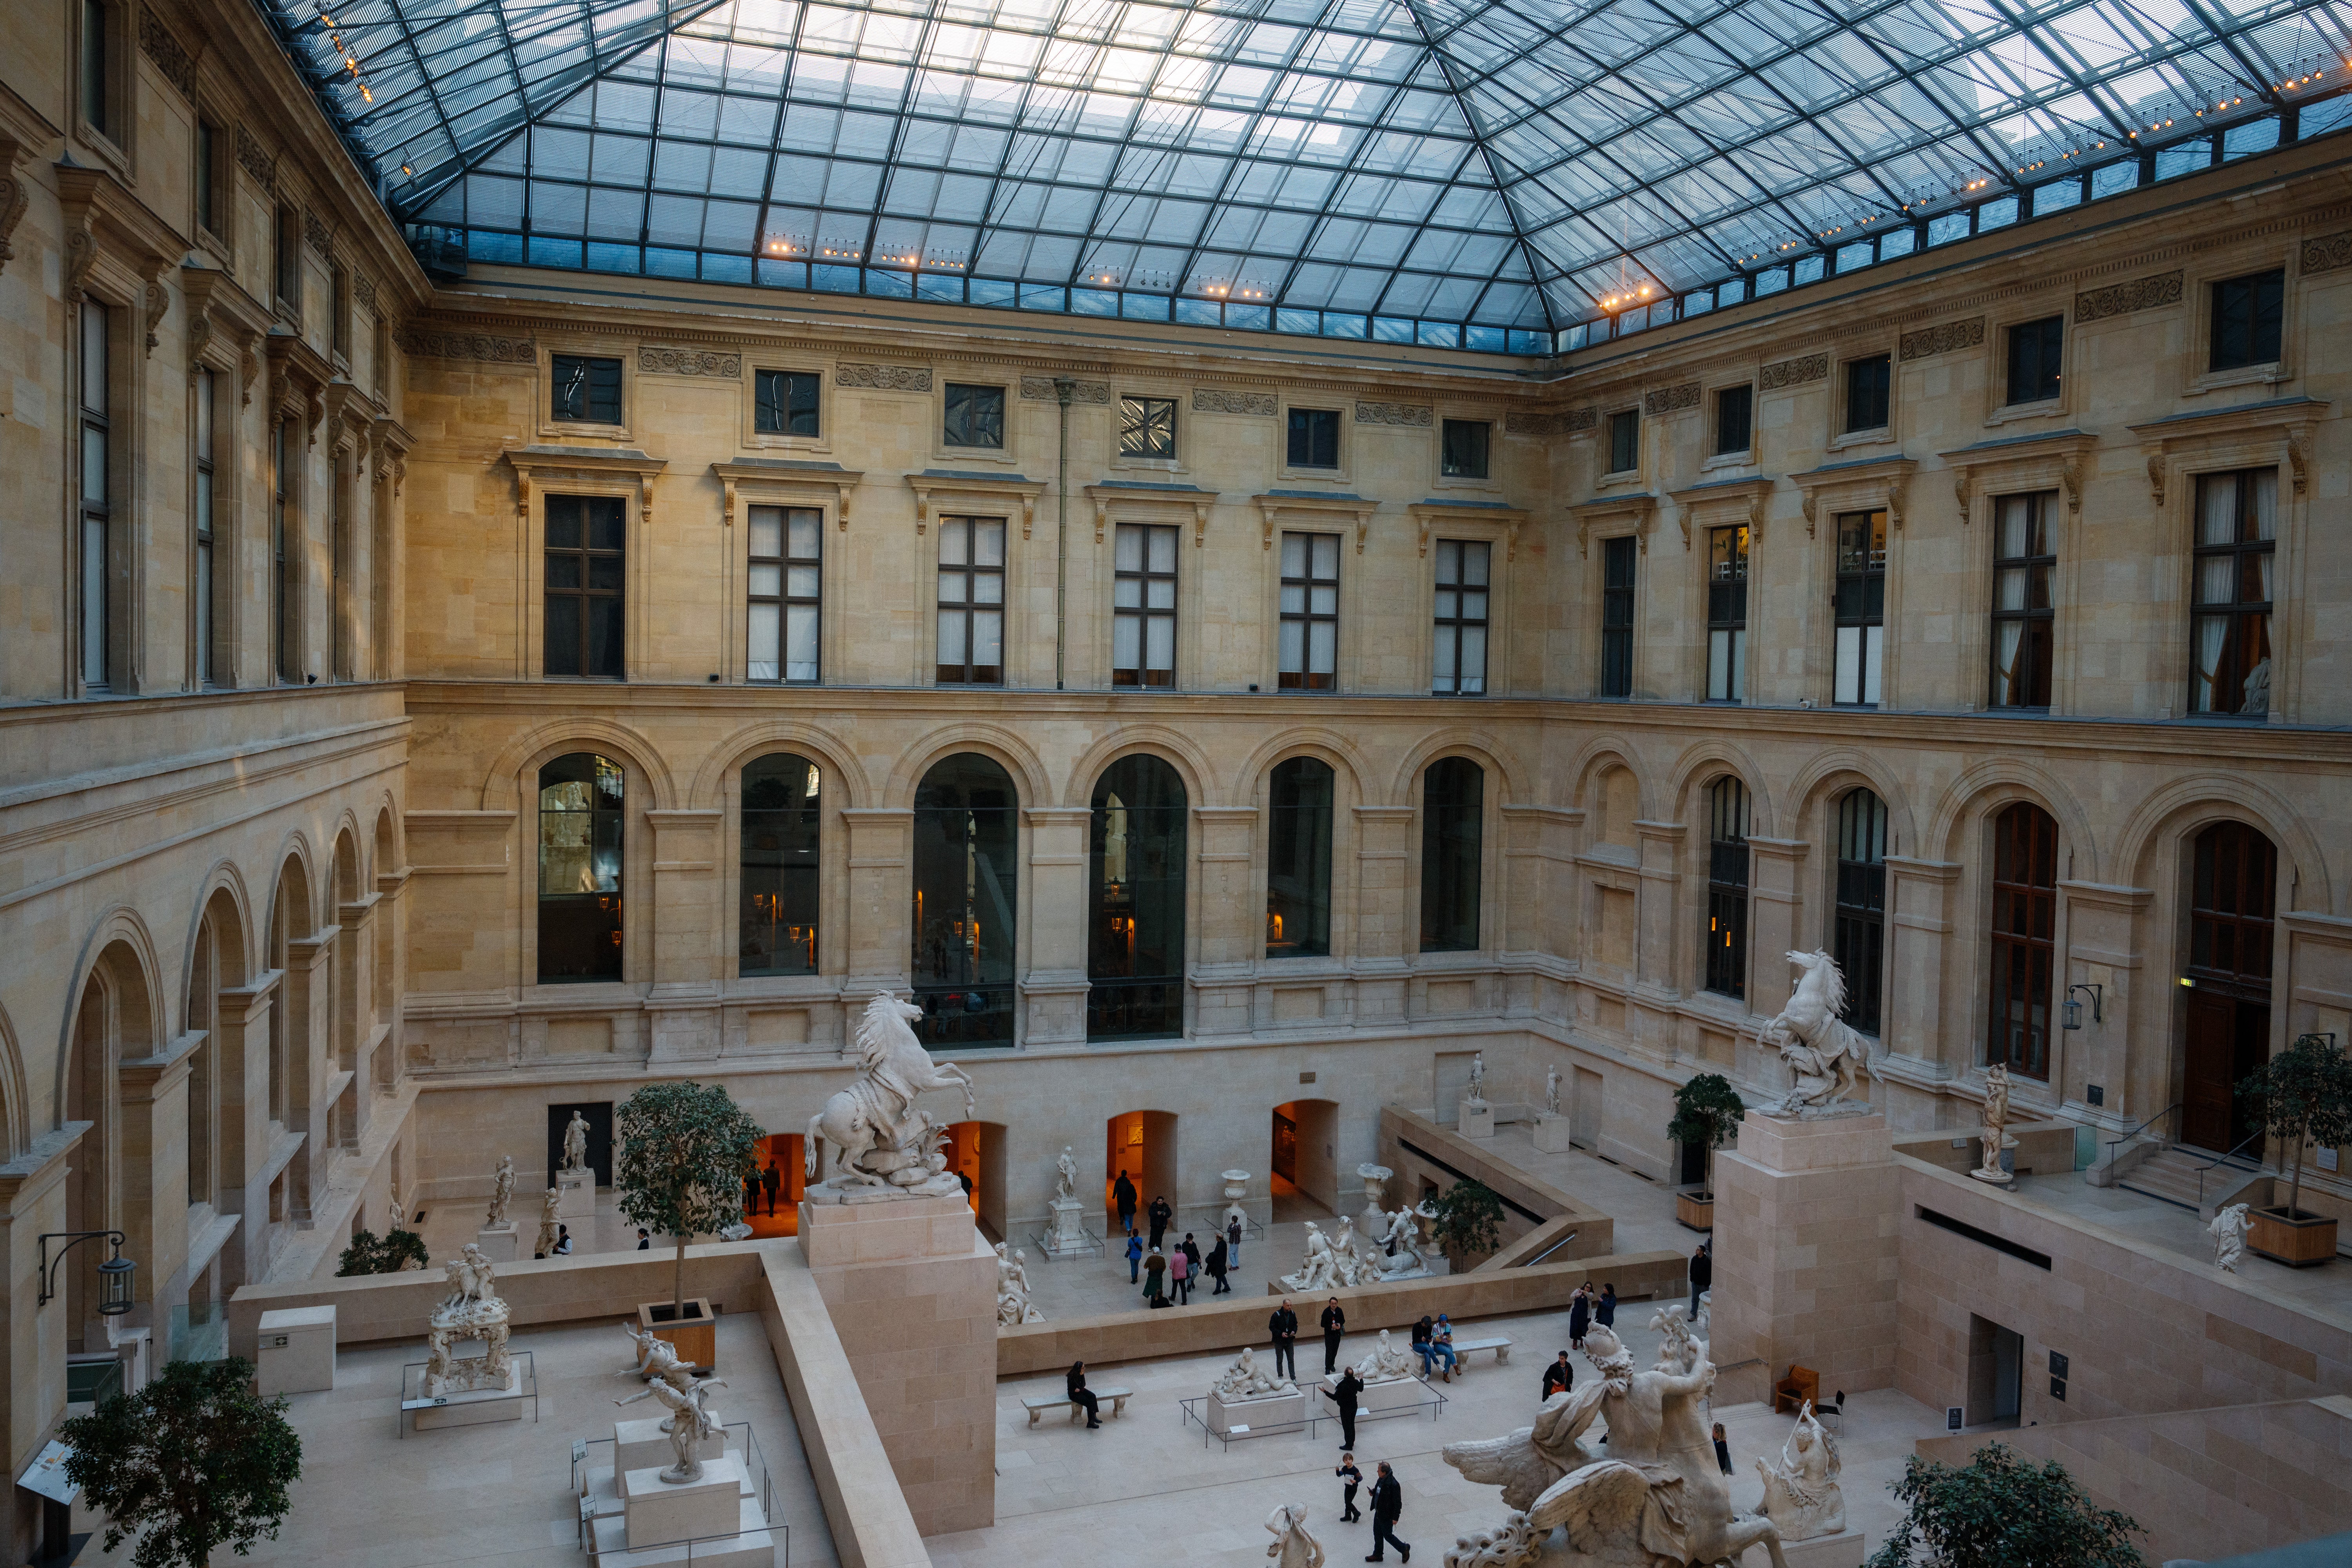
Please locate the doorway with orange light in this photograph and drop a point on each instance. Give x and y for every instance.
(975, 1151)
(1304, 1172)
(781, 1151)
(1143, 1144)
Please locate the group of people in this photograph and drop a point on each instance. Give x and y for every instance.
(1387, 1504)
(1169, 1275)
(757, 1181)
(1587, 1310)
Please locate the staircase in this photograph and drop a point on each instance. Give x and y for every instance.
(2171, 1174)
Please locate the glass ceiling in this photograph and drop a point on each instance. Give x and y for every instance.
(1517, 166)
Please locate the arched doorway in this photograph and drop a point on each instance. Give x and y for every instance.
(967, 895)
(1142, 1146)
(2226, 1023)
(1134, 886)
(1304, 1167)
(976, 1153)
(782, 1153)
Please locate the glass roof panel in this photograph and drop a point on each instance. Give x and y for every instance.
(1502, 162)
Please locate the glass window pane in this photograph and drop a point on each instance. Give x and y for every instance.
(988, 542)
(1128, 549)
(767, 582)
(1162, 648)
(1127, 643)
(807, 534)
(802, 581)
(800, 643)
(951, 636)
(987, 637)
(767, 530)
(1322, 647)
(765, 622)
(1164, 550)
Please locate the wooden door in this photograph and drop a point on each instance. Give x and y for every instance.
(2211, 1051)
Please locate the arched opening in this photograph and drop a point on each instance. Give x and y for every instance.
(1135, 887)
(976, 1154)
(580, 811)
(1858, 929)
(1453, 841)
(2226, 1022)
(387, 975)
(348, 1012)
(773, 1208)
(1727, 887)
(1141, 1146)
(2024, 937)
(1300, 794)
(777, 919)
(290, 1036)
(114, 1019)
(1302, 1161)
(967, 894)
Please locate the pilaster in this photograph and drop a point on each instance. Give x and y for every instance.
(154, 1214)
(1054, 977)
(1384, 928)
(689, 936)
(32, 1202)
(391, 971)
(1658, 849)
(1775, 919)
(879, 942)
(1918, 923)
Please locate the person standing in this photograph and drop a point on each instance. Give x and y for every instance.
(750, 1192)
(1605, 1314)
(645, 1239)
(1160, 1213)
(1346, 1396)
(1722, 1449)
(1134, 1255)
(769, 1179)
(1155, 1268)
(1192, 1257)
(1559, 1377)
(1218, 1266)
(1080, 1394)
(1180, 1276)
(1335, 1324)
(1580, 1318)
(1233, 1237)
(1283, 1326)
(1122, 1198)
(1352, 1478)
(1388, 1506)
(1702, 1277)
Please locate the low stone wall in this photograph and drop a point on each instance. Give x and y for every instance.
(1228, 1322)
(1422, 1153)
(2043, 1148)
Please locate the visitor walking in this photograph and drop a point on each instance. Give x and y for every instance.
(1605, 1314)
(1702, 1277)
(1283, 1326)
(1162, 1213)
(1192, 1256)
(1352, 1478)
(1580, 1318)
(644, 1240)
(1233, 1237)
(1559, 1377)
(769, 1179)
(1722, 1449)
(1134, 1255)
(1350, 1391)
(1388, 1506)
(1218, 1266)
(1080, 1394)
(1335, 1324)
(1155, 1269)
(1180, 1276)
(1122, 1198)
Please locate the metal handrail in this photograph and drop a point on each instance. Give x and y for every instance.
(2256, 1137)
(2140, 1128)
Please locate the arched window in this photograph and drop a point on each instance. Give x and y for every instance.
(966, 893)
(1858, 942)
(580, 814)
(2024, 937)
(2232, 897)
(1135, 888)
(777, 918)
(1298, 860)
(1453, 835)
(1727, 887)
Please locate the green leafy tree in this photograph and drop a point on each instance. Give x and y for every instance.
(1469, 1220)
(682, 1152)
(2003, 1511)
(397, 1251)
(1707, 1113)
(191, 1463)
(2303, 1094)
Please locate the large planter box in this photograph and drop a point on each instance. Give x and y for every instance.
(1696, 1210)
(2305, 1241)
(696, 1335)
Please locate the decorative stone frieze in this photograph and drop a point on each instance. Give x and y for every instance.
(171, 56)
(884, 377)
(16, 194)
(1578, 420)
(1670, 399)
(658, 361)
(489, 346)
(1794, 372)
(318, 233)
(1518, 423)
(256, 160)
(1415, 415)
(1942, 338)
(2122, 299)
(363, 290)
(1210, 400)
(2328, 252)
(1040, 389)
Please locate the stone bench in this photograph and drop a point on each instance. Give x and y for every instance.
(1501, 1347)
(1116, 1398)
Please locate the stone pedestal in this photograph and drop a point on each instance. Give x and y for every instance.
(575, 1194)
(499, 1243)
(474, 1406)
(1263, 1414)
(1844, 1550)
(298, 1351)
(1806, 1215)
(1067, 1231)
(1380, 1395)
(912, 1292)
(1551, 1134)
(1477, 1120)
(660, 1512)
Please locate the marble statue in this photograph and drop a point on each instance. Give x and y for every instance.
(690, 1424)
(1350, 1261)
(656, 1357)
(471, 1311)
(1551, 1092)
(1800, 1492)
(1248, 1380)
(1681, 1350)
(1293, 1547)
(576, 1143)
(501, 1193)
(1706, 1311)
(1385, 1361)
(881, 1143)
(1318, 1270)
(1066, 1177)
(1996, 1125)
(1013, 1308)
(545, 1246)
(1657, 1497)
(1476, 1093)
(2229, 1229)
(1825, 1055)
(1403, 1246)
(399, 1214)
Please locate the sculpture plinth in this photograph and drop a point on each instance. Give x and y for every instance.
(1551, 1134)
(577, 1194)
(1477, 1121)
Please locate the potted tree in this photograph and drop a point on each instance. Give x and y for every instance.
(2001, 1511)
(1468, 1220)
(682, 1150)
(1707, 1112)
(191, 1463)
(2303, 1095)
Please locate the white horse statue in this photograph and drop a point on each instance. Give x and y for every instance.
(1826, 1056)
(877, 1134)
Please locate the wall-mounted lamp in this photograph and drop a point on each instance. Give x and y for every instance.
(114, 1275)
(2073, 1017)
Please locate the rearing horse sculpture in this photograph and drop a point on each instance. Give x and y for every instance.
(875, 1115)
(1825, 1053)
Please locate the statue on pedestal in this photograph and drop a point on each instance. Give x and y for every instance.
(1827, 1058)
(690, 1423)
(880, 1142)
(1551, 1092)
(1248, 1380)
(1066, 1177)
(1996, 1124)
(1385, 1361)
(1293, 1547)
(1318, 1270)
(2228, 1230)
(1476, 1093)
(1013, 1306)
(501, 1193)
(471, 1311)
(545, 1246)
(1800, 1492)
(576, 1143)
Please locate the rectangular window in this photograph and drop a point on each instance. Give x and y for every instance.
(1867, 385)
(2230, 651)
(1859, 925)
(972, 597)
(1860, 608)
(2034, 350)
(1458, 661)
(97, 491)
(974, 415)
(1625, 441)
(1617, 615)
(206, 384)
(1465, 444)
(2248, 313)
(584, 391)
(1727, 614)
(287, 248)
(1147, 428)
(786, 578)
(1735, 409)
(1143, 625)
(1727, 888)
(94, 41)
(2024, 563)
(340, 298)
(207, 145)
(282, 553)
(784, 401)
(1314, 438)
(1310, 611)
(584, 577)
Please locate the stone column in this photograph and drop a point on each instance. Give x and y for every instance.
(241, 1061)
(154, 1213)
(1231, 918)
(911, 1290)
(1919, 1036)
(1775, 868)
(304, 993)
(1657, 923)
(689, 936)
(355, 954)
(1806, 1215)
(2101, 950)
(879, 941)
(1053, 965)
(1387, 933)
(391, 969)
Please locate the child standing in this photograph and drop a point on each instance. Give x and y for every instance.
(1352, 1478)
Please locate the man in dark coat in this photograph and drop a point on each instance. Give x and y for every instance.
(1388, 1506)
(1122, 1198)
(769, 1179)
(1284, 1327)
(1559, 1377)
(1702, 1276)
(1160, 1211)
(1335, 1325)
(1346, 1396)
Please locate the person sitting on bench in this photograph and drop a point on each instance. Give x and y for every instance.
(1080, 1394)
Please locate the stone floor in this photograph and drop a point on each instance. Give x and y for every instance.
(500, 1493)
(1644, 1210)
(1149, 1486)
(2176, 1230)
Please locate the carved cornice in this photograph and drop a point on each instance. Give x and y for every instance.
(16, 194)
(1576, 421)
(1942, 338)
(171, 56)
(1214, 400)
(1518, 423)
(299, 378)
(788, 479)
(257, 160)
(884, 377)
(391, 438)
(107, 228)
(2327, 252)
(1414, 414)
(942, 491)
(660, 360)
(219, 309)
(2060, 455)
(1670, 399)
(2122, 298)
(1846, 487)
(1794, 372)
(352, 415)
(573, 464)
(1431, 514)
(2284, 424)
(1640, 508)
(363, 290)
(1737, 500)
(485, 346)
(317, 234)
(1318, 510)
(1040, 389)
(1150, 503)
